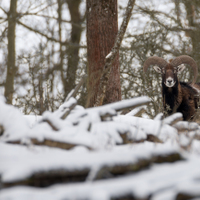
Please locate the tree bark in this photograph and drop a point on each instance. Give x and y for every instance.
(102, 29)
(73, 51)
(59, 11)
(194, 33)
(11, 68)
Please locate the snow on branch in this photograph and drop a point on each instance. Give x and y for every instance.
(173, 119)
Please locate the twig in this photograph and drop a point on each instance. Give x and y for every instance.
(53, 39)
(68, 111)
(51, 124)
(112, 55)
(75, 91)
(73, 94)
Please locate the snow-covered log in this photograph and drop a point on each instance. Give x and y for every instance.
(35, 167)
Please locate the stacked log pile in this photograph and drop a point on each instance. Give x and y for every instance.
(98, 153)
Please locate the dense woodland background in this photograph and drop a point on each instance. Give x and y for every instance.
(43, 49)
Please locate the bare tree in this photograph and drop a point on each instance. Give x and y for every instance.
(11, 68)
(73, 51)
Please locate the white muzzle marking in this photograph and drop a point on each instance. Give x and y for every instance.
(170, 82)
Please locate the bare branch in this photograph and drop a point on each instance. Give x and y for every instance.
(74, 92)
(3, 10)
(40, 33)
(66, 113)
(50, 38)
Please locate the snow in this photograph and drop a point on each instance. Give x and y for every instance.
(96, 134)
(37, 159)
(109, 55)
(154, 127)
(67, 130)
(32, 119)
(166, 179)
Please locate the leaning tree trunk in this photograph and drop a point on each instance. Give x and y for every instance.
(102, 29)
(11, 69)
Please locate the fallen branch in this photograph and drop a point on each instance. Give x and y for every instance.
(122, 105)
(49, 143)
(130, 103)
(48, 178)
(70, 108)
(112, 55)
(149, 137)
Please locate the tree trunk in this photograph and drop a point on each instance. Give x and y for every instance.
(59, 11)
(102, 29)
(194, 33)
(11, 69)
(73, 51)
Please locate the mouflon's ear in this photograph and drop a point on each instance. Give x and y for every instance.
(180, 68)
(157, 69)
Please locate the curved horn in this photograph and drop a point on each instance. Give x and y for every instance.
(184, 59)
(154, 60)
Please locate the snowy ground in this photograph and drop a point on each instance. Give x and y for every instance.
(97, 153)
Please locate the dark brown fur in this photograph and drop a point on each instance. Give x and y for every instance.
(180, 98)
